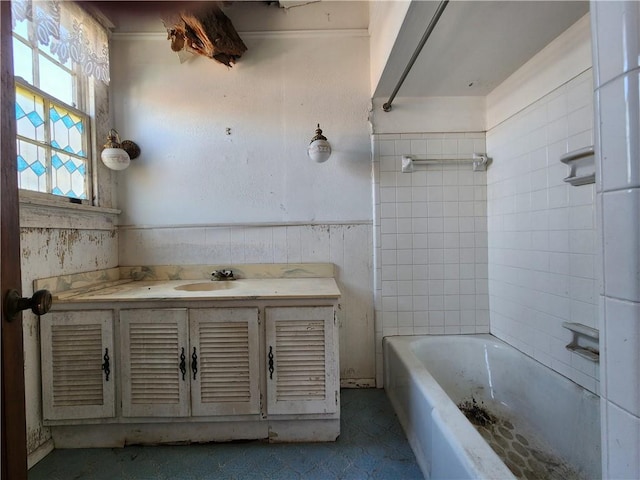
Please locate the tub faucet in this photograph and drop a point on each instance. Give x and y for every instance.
(222, 275)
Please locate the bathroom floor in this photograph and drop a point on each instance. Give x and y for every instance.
(371, 445)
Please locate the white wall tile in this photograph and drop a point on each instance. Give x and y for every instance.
(621, 240)
(421, 247)
(623, 354)
(541, 231)
(618, 151)
(622, 437)
(616, 44)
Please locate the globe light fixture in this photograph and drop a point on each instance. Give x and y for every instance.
(319, 150)
(117, 155)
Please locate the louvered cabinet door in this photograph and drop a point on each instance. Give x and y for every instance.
(302, 370)
(154, 345)
(225, 344)
(76, 347)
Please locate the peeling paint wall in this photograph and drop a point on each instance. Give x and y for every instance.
(347, 246)
(47, 252)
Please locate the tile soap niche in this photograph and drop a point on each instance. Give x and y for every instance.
(582, 167)
(585, 341)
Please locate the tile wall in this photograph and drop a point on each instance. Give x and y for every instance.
(615, 30)
(430, 238)
(347, 246)
(542, 231)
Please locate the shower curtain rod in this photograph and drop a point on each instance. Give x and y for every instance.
(427, 33)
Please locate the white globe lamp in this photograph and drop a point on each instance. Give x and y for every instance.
(114, 155)
(319, 150)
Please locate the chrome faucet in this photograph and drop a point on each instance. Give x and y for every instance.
(222, 275)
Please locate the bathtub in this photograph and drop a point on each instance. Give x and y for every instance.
(542, 419)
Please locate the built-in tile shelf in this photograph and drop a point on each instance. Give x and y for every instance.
(582, 167)
(585, 341)
(479, 162)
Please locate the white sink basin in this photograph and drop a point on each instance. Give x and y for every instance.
(204, 286)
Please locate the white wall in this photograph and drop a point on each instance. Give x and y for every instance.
(542, 232)
(192, 172)
(566, 57)
(429, 114)
(198, 195)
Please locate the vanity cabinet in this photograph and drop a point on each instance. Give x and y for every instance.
(78, 365)
(163, 361)
(179, 362)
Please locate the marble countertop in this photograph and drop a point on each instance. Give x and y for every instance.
(248, 288)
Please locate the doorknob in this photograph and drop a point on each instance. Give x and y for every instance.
(39, 304)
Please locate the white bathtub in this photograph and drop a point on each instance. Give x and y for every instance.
(426, 377)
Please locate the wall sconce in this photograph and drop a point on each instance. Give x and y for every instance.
(319, 150)
(117, 155)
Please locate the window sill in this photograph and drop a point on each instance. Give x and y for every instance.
(39, 210)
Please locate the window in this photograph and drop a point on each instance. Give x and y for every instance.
(52, 145)
(55, 61)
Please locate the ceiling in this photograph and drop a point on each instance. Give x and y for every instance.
(475, 46)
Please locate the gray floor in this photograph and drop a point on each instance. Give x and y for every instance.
(372, 445)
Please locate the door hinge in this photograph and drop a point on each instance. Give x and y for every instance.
(335, 316)
(259, 317)
(336, 397)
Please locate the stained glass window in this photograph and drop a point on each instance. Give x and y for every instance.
(54, 47)
(52, 145)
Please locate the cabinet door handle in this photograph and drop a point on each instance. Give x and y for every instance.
(105, 366)
(183, 364)
(194, 362)
(271, 369)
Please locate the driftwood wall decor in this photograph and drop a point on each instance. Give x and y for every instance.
(205, 31)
